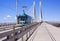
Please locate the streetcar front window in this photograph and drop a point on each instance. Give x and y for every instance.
(22, 18)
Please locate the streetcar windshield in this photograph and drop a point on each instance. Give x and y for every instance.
(22, 18)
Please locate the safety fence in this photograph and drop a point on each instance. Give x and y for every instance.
(18, 33)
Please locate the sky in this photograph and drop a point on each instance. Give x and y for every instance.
(50, 9)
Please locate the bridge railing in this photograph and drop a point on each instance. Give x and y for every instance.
(18, 33)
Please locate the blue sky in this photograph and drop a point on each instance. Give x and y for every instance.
(50, 9)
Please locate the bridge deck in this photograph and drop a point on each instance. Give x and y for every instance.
(44, 32)
(47, 32)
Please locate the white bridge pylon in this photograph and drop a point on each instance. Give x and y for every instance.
(40, 4)
(32, 12)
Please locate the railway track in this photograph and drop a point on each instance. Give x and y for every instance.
(10, 26)
(17, 33)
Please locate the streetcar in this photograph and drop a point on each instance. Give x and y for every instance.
(24, 19)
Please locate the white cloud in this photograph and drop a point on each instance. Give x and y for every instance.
(7, 17)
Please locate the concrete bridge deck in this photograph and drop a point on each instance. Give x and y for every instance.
(46, 32)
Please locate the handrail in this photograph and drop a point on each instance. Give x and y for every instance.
(18, 32)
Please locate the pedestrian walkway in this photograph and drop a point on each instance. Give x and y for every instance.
(47, 32)
(55, 31)
(42, 34)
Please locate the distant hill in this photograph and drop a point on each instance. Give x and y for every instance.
(7, 24)
(57, 24)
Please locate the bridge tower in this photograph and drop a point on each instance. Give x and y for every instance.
(41, 18)
(34, 12)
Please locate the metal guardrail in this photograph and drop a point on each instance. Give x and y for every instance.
(18, 32)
